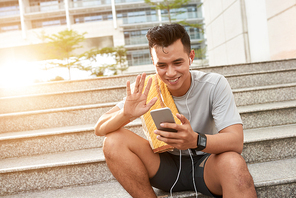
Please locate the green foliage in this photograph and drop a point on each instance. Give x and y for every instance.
(167, 5)
(61, 46)
(201, 53)
(117, 53)
(194, 25)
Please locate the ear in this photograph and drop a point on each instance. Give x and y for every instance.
(191, 56)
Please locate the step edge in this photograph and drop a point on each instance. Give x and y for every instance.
(62, 109)
(96, 158)
(251, 108)
(56, 131)
(63, 92)
(267, 106)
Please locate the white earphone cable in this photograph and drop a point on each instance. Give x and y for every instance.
(179, 172)
(192, 162)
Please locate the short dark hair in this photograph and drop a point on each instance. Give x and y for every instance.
(167, 34)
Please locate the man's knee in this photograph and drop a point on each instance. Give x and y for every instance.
(234, 166)
(112, 143)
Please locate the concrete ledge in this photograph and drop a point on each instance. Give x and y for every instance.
(121, 79)
(271, 114)
(36, 142)
(261, 79)
(272, 178)
(253, 116)
(268, 144)
(243, 96)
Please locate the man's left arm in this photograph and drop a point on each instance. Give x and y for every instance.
(228, 139)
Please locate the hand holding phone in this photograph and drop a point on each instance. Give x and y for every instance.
(163, 115)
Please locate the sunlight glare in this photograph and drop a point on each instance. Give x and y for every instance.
(22, 73)
(17, 73)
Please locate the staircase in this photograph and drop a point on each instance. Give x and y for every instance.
(48, 147)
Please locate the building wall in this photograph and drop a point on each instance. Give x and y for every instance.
(241, 31)
(281, 21)
(226, 35)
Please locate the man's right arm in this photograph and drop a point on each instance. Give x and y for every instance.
(135, 105)
(111, 121)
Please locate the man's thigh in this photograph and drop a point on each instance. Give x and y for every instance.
(126, 144)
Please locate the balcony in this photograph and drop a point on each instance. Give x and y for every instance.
(139, 19)
(88, 3)
(9, 12)
(46, 7)
(127, 1)
(136, 40)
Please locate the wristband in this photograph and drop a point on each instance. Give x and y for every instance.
(201, 142)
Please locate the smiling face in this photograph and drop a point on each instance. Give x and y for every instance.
(172, 66)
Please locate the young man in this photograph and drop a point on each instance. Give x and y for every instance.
(208, 115)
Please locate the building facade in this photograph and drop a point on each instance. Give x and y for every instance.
(107, 23)
(243, 31)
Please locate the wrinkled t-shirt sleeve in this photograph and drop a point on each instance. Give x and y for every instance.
(224, 109)
(121, 103)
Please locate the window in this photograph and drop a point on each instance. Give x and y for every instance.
(93, 17)
(138, 57)
(10, 27)
(49, 22)
(137, 16)
(186, 12)
(88, 3)
(127, 1)
(194, 33)
(9, 8)
(44, 2)
(135, 37)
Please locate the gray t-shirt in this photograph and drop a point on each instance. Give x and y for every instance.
(208, 104)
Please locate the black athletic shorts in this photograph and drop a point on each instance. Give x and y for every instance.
(169, 168)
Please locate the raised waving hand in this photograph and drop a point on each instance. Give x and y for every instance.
(136, 100)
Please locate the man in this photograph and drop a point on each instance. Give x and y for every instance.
(206, 106)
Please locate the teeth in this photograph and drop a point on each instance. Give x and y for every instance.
(173, 80)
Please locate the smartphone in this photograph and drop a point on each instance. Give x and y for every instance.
(163, 115)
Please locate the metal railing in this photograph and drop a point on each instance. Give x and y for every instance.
(89, 3)
(139, 61)
(127, 1)
(9, 12)
(139, 19)
(45, 8)
(136, 40)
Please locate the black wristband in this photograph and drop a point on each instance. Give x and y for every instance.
(201, 142)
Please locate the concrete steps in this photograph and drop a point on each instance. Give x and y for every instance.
(268, 113)
(48, 147)
(278, 140)
(243, 96)
(120, 80)
(86, 167)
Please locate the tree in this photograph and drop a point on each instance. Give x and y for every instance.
(120, 57)
(61, 46)
(201, 55)
(117, 53)
(167, 5)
